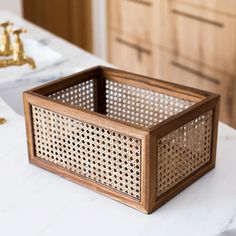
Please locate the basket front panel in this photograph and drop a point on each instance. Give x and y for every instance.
(183, 151)
(98, 154)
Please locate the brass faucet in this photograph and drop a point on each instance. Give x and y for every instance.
(18, 54)
(2, 120)
(5, 44)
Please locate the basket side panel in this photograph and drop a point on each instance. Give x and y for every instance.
(78, 95)
(183, 151)
(107, 157)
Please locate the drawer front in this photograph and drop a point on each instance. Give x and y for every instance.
(128, 54)
(204, 36)
(132, 17)
(178, 70)
(224, 6)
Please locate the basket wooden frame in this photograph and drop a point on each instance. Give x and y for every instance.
(148, 202)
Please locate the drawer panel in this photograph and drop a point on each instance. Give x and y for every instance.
(223, 6)
(129, 54)
(206, 37)
(175, 69)
(132, 17)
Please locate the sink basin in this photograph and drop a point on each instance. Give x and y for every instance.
(16, 79)
(43, 55)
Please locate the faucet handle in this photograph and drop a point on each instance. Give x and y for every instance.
(18, 31)
(5, 24)
(18, 46)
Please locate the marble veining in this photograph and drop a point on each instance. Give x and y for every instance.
(230, 227)
(231, 232)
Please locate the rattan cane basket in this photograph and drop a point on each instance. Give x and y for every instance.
(136, 139)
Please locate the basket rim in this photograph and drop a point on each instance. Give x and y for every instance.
(201, 97)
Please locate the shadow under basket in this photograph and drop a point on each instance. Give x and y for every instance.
(135, 139)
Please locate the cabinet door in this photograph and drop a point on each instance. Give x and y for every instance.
(201, 35)
(69, 19)
(132, 17)
(223, 6)
(128, 54)
(175, 69)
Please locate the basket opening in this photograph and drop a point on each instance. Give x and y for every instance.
(120, 100)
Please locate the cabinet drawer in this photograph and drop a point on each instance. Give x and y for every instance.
(224, 6)
(178, 70)
(204, 36)
(129, 54)
(132, 17)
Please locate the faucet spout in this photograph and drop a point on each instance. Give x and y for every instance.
(18, 54)
(18, 62)
(30, 61)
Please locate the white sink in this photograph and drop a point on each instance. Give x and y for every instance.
(43, 55)
(16, 79)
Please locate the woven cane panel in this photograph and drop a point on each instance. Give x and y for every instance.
(79, 95)
(101, 155)
(183, 151)
(139, 106)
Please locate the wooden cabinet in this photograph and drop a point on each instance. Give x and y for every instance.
(133, 17)
(176, 69)
(204, 36)
(69, 19)
(191, 42)
(221, 6)
(129, 50)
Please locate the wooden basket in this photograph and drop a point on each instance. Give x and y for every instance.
(136, 139)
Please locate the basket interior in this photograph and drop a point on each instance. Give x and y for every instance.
(121, 100)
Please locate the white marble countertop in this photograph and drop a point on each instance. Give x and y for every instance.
(35, 202)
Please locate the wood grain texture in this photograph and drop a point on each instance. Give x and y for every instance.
(204, 36)
(59, 122)
(124, 48)
(69, 19)
(29, 127)
(132, 18)
(233, 120)
(225, 7)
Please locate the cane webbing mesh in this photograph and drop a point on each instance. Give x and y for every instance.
(107, 157)
(79, 95)
(125, 102)
(183, 151)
